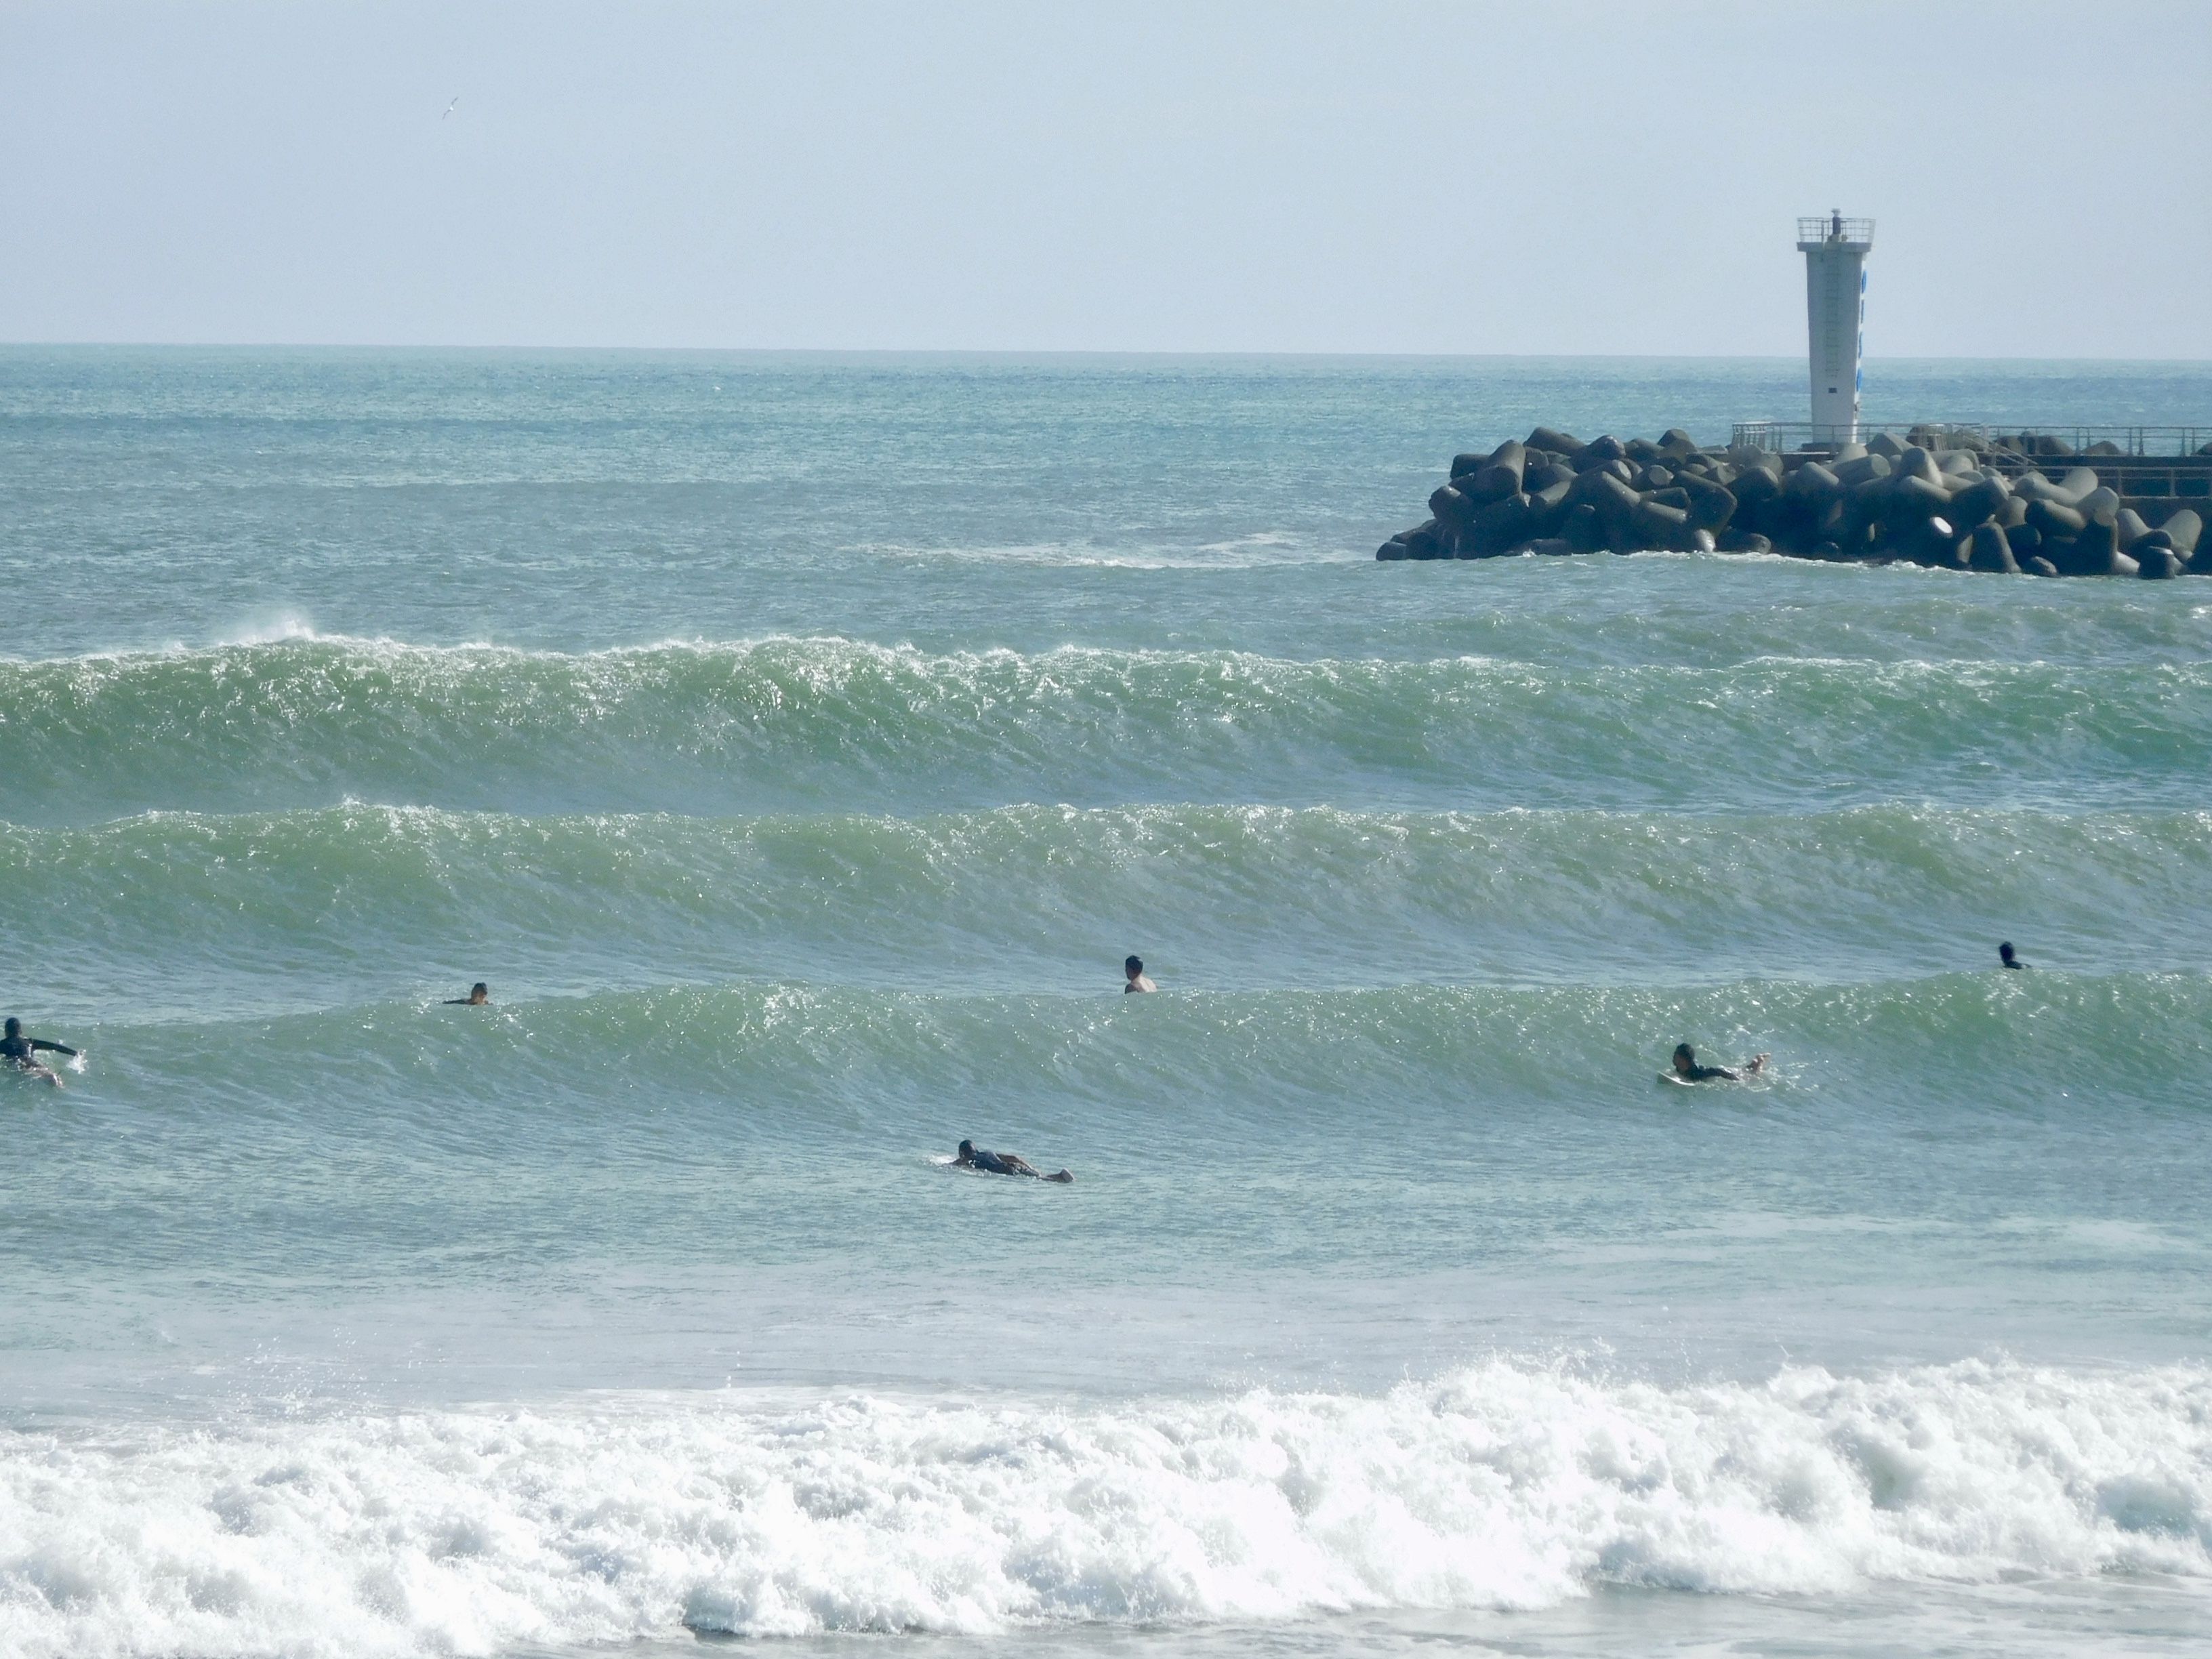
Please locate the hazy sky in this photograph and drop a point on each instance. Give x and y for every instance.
(1426, 177)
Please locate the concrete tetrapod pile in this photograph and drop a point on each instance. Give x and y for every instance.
(1968, 508)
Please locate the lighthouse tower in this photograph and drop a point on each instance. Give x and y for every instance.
(1835, 250)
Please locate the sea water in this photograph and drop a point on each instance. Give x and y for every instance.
(797, 746)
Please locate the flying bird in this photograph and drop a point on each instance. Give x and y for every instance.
(451, 107)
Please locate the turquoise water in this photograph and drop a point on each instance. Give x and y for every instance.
(797, 745)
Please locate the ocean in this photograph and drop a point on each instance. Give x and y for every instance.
(797, 745)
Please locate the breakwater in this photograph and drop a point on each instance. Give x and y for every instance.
(2009, 507)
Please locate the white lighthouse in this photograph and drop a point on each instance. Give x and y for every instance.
(1835, 250)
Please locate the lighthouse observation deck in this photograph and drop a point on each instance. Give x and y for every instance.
(1834, 231)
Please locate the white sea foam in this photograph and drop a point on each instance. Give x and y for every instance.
(1259, 550)
(1503, 1485)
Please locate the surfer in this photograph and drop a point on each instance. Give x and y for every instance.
(2006, 957)
(479, 994)
(972, 1156)
(1135, 968)
(1687, 1069)
(19, 1051)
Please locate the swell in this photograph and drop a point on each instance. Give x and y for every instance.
(789, 1062)
(1508, 1484)
(1912, 1135)
(802, 724)
(197, 915)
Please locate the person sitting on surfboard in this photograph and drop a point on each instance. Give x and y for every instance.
(1687, 1069)
(1134, 969)
(2006, 957)
(479, 994)
(19, 1050)
(973, 1157)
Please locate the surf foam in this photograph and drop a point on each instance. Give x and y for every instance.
(1503, 1485)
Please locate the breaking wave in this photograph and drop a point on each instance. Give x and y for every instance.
(1508, 1484)
(799, 723)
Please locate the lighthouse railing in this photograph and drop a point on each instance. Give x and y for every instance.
(1828, 227)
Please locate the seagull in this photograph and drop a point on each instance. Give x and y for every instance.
(451, 107)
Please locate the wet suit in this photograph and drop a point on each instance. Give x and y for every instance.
(20, 1048)
(1686, 1069)
(972, 1156)
(21, 1052)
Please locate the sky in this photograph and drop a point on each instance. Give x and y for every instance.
(1424, 177)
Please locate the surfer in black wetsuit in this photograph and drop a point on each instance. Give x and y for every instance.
(2006, 957)
(973, 1157)
(479, 994)
(22, 1052)
(1686, 1067)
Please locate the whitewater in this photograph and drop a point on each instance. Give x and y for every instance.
(1494, 1487)
(797, 746)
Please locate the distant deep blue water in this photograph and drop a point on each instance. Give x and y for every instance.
(797, 745)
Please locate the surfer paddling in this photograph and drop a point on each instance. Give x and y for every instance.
(2005, 954)
(21, 1052)
(972, 1156)
(479, 994)
(1687, 1069)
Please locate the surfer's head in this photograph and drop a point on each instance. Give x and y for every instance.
(967, 1149)
(480, 991)
(14, 1026)
(1684, 1057)
(1134, 966)
(2004, 952)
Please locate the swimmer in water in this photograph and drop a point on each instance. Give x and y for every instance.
(1135, 968)
(19, 1051)
(479, 994)
(2006, 957)
(1686, 1067)
(972, 1156)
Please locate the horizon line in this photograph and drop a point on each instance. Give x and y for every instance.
(1017, 352)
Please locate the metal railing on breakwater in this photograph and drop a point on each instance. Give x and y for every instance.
(2151, 441)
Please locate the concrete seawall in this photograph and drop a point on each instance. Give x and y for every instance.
(2008, 507)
